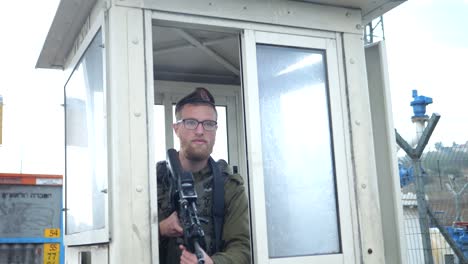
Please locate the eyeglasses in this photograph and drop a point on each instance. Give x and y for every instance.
(208, 125)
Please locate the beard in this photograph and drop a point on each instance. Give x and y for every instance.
(197, 153)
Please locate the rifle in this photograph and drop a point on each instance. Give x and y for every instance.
(184, 199)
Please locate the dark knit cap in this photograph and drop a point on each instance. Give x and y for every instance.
(199, 96)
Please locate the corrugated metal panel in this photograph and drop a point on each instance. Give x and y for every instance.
(21, 253)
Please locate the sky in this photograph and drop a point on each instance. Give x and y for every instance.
(427, 50)
(33, 137)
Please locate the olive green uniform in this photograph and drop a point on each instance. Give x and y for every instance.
(235, 236)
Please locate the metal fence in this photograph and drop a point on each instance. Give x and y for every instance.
(445, 177)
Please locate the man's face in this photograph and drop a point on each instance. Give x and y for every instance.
(196, 144)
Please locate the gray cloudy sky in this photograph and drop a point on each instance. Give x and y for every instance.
(427, 50)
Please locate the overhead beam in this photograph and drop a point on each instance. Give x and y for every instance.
(184, 46)
(225, 63)
(197, 77)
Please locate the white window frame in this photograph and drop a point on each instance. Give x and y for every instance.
(98, 235)
(340, 138)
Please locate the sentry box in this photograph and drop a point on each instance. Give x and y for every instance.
(30, 218)
(304, 116)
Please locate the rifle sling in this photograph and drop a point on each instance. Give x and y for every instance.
(217, 203)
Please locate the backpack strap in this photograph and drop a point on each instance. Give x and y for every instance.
(218, 203)
(165, 183)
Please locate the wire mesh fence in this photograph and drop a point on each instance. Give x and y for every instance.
(445, 176)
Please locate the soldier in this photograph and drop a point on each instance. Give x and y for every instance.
(227, 237)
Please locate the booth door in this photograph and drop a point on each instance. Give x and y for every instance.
(297, 149)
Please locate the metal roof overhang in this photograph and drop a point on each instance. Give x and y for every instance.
(67, 24)
(370, 8)
(71, 15)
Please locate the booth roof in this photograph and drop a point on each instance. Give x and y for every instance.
(72, 14)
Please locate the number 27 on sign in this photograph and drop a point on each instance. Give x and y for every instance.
(51, 253)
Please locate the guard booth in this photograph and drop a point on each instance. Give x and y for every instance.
(304, 116)
(30, 218)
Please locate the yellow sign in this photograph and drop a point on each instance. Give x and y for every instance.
(52, 232)
(51, 253)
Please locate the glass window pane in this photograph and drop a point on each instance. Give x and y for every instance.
(300, 192)
(86, 148)
(220, 149)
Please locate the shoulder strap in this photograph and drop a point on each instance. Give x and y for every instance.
(218, 203)
(164, 182)
(161, 171)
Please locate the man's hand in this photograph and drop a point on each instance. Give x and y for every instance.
(189, 258)
(170, 227)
